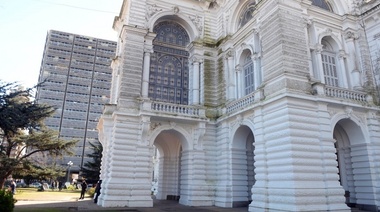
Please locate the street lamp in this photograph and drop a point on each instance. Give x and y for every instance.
(68, 172)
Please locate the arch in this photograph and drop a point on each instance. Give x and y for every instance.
(326, 5)
(177, 130)
(349, 144)
(169, 146)
(242, 166)
(331, 38)
(238, 10)
(350, 121)
(179, 18)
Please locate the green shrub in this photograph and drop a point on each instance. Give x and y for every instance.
(7, 202)
(71, 188)
(91, 192)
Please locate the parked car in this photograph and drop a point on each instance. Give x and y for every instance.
(20, 185)
(35, 185)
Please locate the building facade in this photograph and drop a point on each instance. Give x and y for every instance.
(269, 104)
(77, 74)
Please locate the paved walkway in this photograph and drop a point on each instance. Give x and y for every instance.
(88, 205)
(159, 206)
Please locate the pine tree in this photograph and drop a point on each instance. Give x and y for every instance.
(91, 169)
(22, 132)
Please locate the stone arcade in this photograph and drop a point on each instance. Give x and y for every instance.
(271, 104)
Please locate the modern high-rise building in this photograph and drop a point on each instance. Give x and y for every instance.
(77, 74)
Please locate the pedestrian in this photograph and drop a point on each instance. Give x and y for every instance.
(84, 187)
(12, 187)
(97, 191)
(60, 185)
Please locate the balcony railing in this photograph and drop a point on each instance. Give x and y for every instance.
(345, 94)
(184, 110)
(240, 103)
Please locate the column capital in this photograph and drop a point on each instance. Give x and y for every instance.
(196, 60)
(351, 35)
(342, 54)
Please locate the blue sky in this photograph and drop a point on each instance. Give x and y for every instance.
(24, 25)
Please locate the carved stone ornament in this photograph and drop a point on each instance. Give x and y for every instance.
(154, 125)
(176, 10)
(197, 21)
(351, 35)
(307, 21)
(151, 9)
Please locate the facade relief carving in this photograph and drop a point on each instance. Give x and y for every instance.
(154, 125)
(198, 22)
(351, 35)
(151, 9)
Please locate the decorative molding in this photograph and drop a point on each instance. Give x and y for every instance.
(198, 22)
(151, 9)
(154, 125)
(351, 35)
(176, 10)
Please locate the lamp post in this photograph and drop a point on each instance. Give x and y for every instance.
(68, 172)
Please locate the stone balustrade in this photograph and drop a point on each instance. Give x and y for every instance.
(183, 110)
(345, 94)
(240, 103)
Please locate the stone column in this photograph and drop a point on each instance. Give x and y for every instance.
(231, 77)
(321, 75)
(352, 59)
(196, 74)
(239, 89)
(256, 70)
(342, 66)
(148, 49)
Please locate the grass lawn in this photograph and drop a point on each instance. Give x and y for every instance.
(32, 194)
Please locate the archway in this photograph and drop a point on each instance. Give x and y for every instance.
(346, 134)
(243, 170)
(169, 147)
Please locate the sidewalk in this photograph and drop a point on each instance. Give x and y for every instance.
(88, 205)
(159, 206)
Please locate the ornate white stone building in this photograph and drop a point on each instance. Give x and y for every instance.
(271, 104)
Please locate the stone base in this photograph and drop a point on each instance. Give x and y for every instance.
(129, 203)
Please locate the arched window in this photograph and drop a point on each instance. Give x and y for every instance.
(329, 64)
(322, 4)
(249, 77)
(169, 68)
(247, 14)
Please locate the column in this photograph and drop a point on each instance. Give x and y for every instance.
(318, 51)
(195, 81)
(342, 66)
(238, 81)
(231, 77)
(256, 69)
(352, 59)
(148, 49)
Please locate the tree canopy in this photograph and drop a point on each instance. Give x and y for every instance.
(91, 169)
(23, 133)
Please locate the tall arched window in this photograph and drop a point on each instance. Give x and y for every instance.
(247, 14)
(322, 4)
(249, 77)
(169, 69)
(329, 64)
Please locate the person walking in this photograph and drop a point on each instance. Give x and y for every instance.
(84, 188)
(12, 187)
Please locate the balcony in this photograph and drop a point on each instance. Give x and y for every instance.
(353, 96)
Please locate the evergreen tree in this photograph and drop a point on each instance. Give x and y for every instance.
(91, 169)
(22, 132)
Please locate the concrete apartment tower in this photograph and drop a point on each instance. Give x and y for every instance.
(77, 74)
(269, 104)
